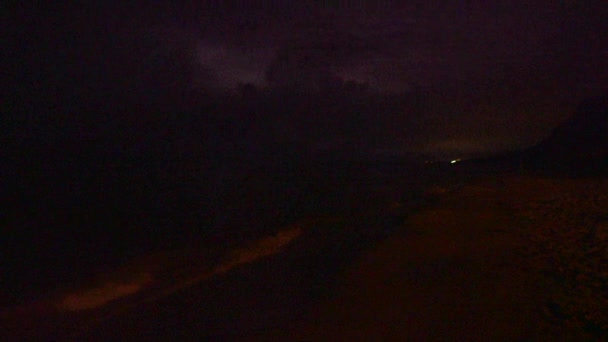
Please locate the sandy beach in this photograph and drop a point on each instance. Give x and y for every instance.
(494, 260)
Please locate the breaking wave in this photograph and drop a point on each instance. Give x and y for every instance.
(100, 295)
(109, 291)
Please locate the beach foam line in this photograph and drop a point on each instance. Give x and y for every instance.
(101, 295)
(107, 292)
(256, 250)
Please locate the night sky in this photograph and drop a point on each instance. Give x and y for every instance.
(498, 74)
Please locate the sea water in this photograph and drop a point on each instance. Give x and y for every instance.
(71, 219)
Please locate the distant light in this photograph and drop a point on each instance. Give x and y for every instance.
(455, 161)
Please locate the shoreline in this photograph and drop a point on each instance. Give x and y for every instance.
(323, 276)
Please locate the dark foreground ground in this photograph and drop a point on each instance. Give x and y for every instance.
(501, 258)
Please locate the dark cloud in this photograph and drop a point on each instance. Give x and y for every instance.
(397, 45)
(498, 67)
(391, 44)
(310, 56)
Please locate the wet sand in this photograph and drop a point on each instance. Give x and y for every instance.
(475, 267)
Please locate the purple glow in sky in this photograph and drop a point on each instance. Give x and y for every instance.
(395, 45)
(503, 70)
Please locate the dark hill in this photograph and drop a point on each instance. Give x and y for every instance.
(576, 147)
(579, 145)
